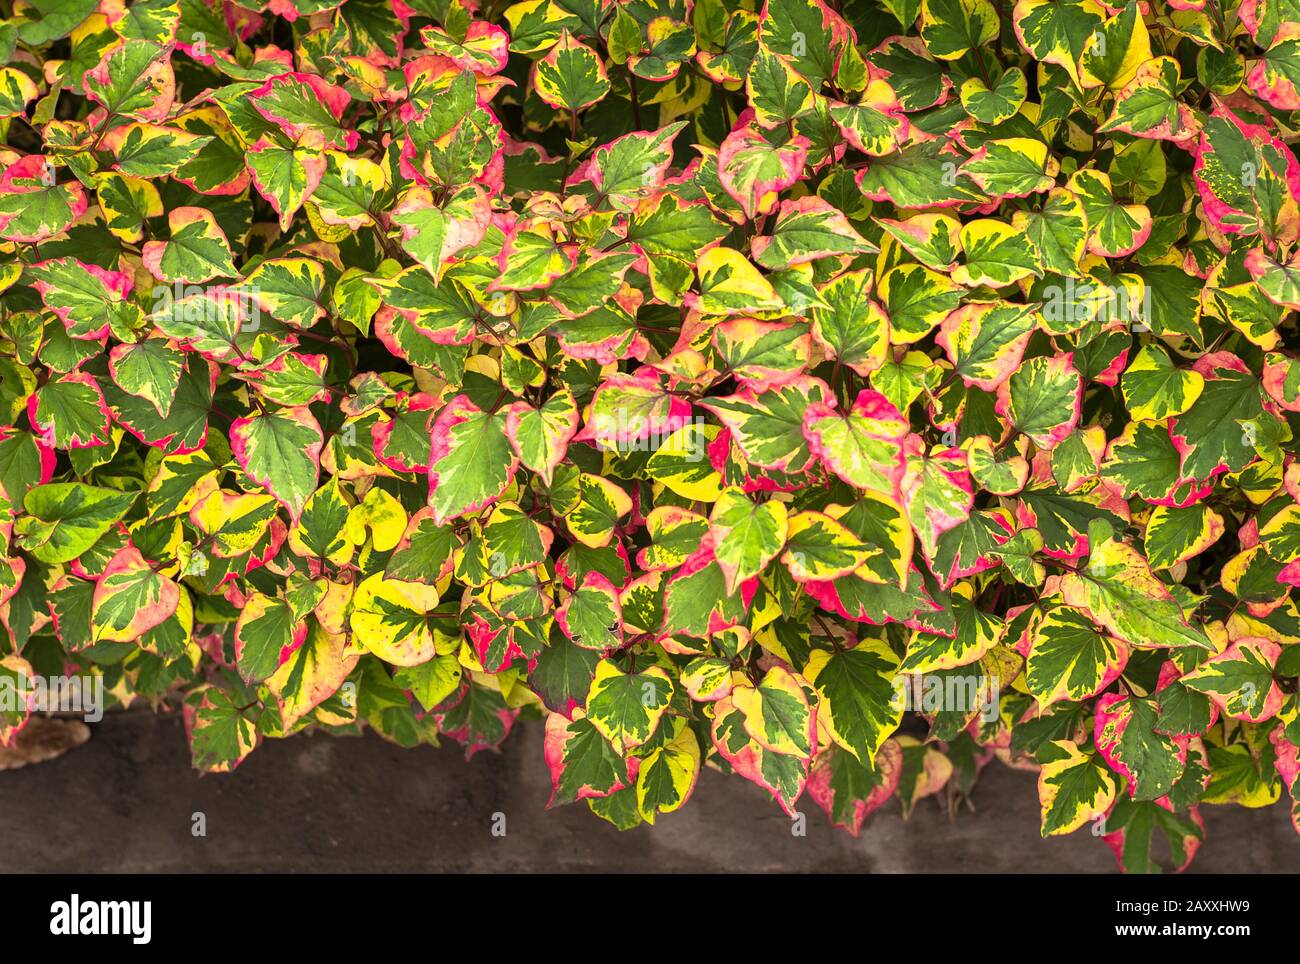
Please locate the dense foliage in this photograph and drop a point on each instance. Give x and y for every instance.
(840, 396)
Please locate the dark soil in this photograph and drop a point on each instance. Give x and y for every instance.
(127, 800)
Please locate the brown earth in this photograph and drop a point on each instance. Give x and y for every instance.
(126, 801)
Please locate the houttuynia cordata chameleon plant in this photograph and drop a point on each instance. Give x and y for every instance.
(840, 395)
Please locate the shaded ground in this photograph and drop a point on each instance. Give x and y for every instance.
(125, 802)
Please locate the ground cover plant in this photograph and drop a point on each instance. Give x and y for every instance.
(843, 396)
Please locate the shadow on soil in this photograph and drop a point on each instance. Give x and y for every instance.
(125, 802)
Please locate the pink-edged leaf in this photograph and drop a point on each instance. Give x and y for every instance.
(937, 491)
(34, 206)
(130, 598)
(631, 408)
(280, 451)
(850, 792)
(70, 412)
(541, 436)
(470, 461)
(90, 301)
(285, 176)
(755, 172)
(1124, 730)
(864, 446)
(484, 48)
(583, 764)
(306, 103)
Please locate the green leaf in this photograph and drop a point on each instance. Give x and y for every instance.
(70, 412)
(33, 205)
(753, 171)
(996, 255)
(1176, 535)
(1014, 167)
(626, 707)
(768, 425)
(993, 106)
(1056, 32)
(746, 535)
(1073, 786)
(1043, 399)
(592, 616)
(431, 682)
(863, 447)
(937, 493)
(291, 289)
(917, 177)
(90, 301)
(916, 299)
(1211, 431)
(571, 76)
(1154, 388)
(857, 686)
(777, 94)
(1143, 461)
(730, 285)
(950, 28)
(64, 519)
(280, 451)
(1118, 590)
(668, 774)
(313, 673)
(1127, 740)
(1057, 232)
(186, 426)
(130, 599)
(47, 20)
(595, 279)
(424, 552)
(267, 631)
(986, 340)
(221, 737)
(1114, 229)
(819, 548)
(933, 239)
(151, 150)
(601, 504)
(1114, 53)
(848, 791)
(758, 351)
(196, 251)
(1069, 659)
(1148, 106)
(805, 230)
(304, 103)
(1132, 827)
(150, 369)
(583, 764)
(1240, 679)
(976, 633)
(133, 80)
(471, 461)
(809, 32)
(776, 713)
(667, 225)
(390, 618)
(285, 176)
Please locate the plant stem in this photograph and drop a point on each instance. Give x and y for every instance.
(636, 106)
